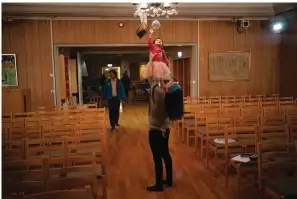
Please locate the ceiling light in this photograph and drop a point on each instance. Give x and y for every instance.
(144, 9)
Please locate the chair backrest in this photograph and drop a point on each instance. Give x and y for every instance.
(63, 194)
(275, 159)
(272, 133)
(27, 176)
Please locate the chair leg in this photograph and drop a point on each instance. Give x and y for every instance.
(188, 137)
(201, 147)
(238, 182)
(195, 143)
(206, 157)
(226, 175)
(183, 132)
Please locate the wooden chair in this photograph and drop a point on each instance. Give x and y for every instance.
(273, 120)
(92, 133)
(247, 120)
(200, 120)
(215, 130)
(77, 171)
(291, 110)
(13, 150)
(276, 133)
(276, 163)
(63, 194)
(250, 110)
(245, 138)
(293, 132)
(23, 115)
(188, 121)
(27, 176)
(269, 103)
(286, 101)
(65, 120)
(57, 131)
(45, 147)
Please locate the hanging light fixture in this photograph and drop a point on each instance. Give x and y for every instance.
(143, 9)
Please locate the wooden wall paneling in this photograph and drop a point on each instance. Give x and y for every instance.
(85, 31)
(18, 47)
(37, 64)
(220, 36)
(6, 38)
(98, 31)
(60, 28)
(46, 63)
(70, 27)
(30, 41)
(203, 61)
(288, 59)
(108, 32)
(30, 50)
(191, 31)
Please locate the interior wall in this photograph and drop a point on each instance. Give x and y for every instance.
(30, 40)
(222, 36)
(288, 59)
(90, 32)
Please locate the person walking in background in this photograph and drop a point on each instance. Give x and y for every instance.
(126, 81)
(114, 92)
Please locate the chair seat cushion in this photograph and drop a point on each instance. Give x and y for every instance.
(189, 122)
(202, 130)
(286, 187)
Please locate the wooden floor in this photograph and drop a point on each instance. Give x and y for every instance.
(130, 166)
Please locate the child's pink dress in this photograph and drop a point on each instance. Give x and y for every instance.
(159, 68)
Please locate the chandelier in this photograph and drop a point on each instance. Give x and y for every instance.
(154, 10)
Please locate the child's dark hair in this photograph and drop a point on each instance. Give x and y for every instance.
(114, 72)
(158, 38)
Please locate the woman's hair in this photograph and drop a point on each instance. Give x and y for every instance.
(158, 38)
(114, 72)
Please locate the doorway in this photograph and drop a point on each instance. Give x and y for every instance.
(181, 72)
(185, 69)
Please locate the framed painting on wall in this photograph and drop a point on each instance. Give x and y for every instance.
(229, 66)
(9, 70)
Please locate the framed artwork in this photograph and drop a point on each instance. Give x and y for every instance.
(229, 66)
(9, 70)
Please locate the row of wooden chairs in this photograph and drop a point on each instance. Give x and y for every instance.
(245, 139)
(243, 98)
(37, 175)
(37, 131)
(222, 104)
(191, 109)
(57, 112)
(55, 120)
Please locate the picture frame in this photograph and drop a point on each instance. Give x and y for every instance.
(9, 70)
(229, 66)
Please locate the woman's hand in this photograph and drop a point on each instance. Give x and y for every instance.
(152, 56)
(152, 31)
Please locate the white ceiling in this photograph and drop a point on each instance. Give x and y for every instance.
(110, 10)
